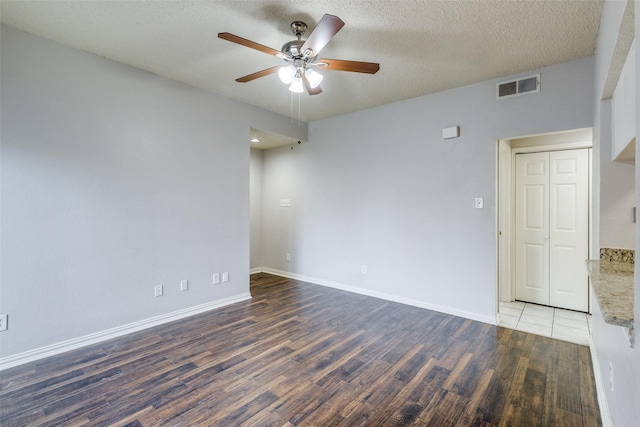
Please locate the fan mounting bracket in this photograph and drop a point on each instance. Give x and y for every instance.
(298, 28)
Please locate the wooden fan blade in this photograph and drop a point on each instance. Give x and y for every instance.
(354, 66)
(307, 86)
(328, 26)
(258, 74)
(248, 43)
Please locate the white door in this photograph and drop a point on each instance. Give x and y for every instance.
(569, 229)
(532, 227)
(552, 201)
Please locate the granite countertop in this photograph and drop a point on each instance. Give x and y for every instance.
(612, 284)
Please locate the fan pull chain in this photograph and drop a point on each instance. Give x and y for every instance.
(291, 109)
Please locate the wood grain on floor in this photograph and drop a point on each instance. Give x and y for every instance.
(302, 354)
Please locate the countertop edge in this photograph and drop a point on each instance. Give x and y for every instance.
(612, 284)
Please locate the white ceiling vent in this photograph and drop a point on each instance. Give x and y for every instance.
(518, 87)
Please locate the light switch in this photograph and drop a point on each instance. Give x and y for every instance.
(479, 203)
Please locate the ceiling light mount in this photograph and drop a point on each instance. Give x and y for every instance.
(298, 28)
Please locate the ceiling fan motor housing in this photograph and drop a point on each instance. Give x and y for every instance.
(292, 49)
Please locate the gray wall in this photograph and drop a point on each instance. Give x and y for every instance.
(280, 231)
(255, 191)
(114, 180)
(381, 188)
(616, 189)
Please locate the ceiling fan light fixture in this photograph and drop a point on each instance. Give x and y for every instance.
(296, 85)
(286, 74)
(314, 78)
(300, 54)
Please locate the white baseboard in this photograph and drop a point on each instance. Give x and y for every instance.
(256, 270)
(605, 415)
(73, 344)
(381, 295)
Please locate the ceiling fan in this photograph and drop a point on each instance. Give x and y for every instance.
(301, 56)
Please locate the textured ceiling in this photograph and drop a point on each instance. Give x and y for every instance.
(422, 46)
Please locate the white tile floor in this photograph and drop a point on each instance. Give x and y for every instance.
(551, 322)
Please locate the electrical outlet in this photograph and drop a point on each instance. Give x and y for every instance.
(225, 276)
(288, 257)
(479, 203)
(216, 278)
(157, 291)
(4, 319)
(184, 285)
(364, 269)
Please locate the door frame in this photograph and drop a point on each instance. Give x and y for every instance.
(505, 221)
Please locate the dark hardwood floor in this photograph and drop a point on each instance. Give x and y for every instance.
(301, 354)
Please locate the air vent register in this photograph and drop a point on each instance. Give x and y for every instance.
(517, 87)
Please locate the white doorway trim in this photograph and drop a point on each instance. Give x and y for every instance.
(507, 149)
(505, 167)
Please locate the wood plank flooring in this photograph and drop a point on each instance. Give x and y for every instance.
(301, 354)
